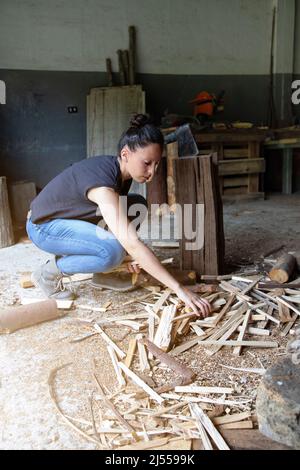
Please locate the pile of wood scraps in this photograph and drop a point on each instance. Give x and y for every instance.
(159, 402)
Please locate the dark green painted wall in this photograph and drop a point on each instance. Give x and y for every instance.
(39, 138)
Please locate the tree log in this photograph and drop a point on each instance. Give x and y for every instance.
(6, 228)
(15, 318)
(283, 269)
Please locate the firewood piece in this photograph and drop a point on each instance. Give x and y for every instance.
(184, 327)
(144, 364)
(162, 338)
(248, 424)
(287, 304)
(255, 344)
(266, 315)
(289, 325)
(250, 370)
(141, 383)
(163, 297)
(26, 281)
(15, 318)
(108, 340)
(186, 374)
(184, 346)
(225, 285)
(251, 286)
(204, 288)
(283, 269)
(6, 227)
(225, 336)
(284, 313)
(203, 390)
(225, 309)
(237, 350)
(255, 331)
(115, 364)
(201, 417)
(234, 418)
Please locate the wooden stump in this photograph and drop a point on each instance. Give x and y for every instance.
(197, 193)
(283, 269)
(6, 228)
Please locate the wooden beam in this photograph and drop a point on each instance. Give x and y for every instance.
(239, 167)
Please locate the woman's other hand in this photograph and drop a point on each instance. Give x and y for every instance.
(200, 307)
(133, 267)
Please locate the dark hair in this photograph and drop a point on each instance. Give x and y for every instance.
(141, 133)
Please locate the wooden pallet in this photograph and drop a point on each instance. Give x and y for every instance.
(239, 159)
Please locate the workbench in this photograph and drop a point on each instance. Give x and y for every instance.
(287, 147)
(240, 162)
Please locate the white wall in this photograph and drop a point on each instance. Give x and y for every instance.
(174, 36)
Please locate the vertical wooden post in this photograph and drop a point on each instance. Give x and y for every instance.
(172, 153)
(125, 61)
(109, 72)
(6, 228)
(253, 180)
(121, 67)
(132, 54)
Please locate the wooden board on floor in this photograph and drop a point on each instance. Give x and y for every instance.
(246, 439)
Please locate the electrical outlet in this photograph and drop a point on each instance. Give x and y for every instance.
(72, 109)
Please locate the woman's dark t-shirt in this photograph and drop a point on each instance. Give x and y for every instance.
(65, 197)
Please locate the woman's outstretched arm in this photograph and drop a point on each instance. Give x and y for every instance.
(117, 221)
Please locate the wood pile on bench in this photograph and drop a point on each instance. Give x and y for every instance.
(150, 409)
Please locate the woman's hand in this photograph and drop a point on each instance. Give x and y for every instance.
(200, 307)
(133, 267)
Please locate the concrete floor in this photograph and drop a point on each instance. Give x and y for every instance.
(28, 417)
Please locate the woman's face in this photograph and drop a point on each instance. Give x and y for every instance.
(142, 163)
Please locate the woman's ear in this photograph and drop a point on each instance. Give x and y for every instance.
(124, 154)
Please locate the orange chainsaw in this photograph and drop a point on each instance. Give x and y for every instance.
(207, 105)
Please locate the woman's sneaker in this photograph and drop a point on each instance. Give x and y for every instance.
(50, 280)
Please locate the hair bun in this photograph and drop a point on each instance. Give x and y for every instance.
(139, 120)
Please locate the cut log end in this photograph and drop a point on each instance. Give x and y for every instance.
(283, 269)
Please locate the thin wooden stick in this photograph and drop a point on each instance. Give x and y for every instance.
(141, 383)
(237, 350)
(53, 398)
(201, 417)
(130, 352)
(114, 361)
(106, 338)
(112, 407)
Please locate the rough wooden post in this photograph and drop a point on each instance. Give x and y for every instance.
(132, 54)
(172, 153)
(6, 228)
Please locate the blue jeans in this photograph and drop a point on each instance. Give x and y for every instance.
(81, 247)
